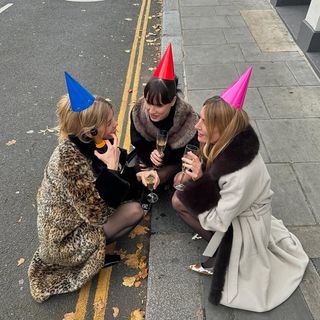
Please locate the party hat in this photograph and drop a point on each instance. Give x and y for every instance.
(165, 69)
(236, 93)
(80, 97)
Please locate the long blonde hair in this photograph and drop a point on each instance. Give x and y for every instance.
(78, 123)
(229, 122)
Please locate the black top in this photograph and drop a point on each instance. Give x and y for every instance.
(144, 147)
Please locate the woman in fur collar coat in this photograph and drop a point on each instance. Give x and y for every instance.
(257, 263)
(80, 203)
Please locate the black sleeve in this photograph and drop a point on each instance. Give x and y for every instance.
(143, 147)
(111, 187)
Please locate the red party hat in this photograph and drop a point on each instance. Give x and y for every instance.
(165, 69)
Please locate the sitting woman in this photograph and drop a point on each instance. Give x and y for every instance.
(81, 199)
(255, 262)
(162, 109)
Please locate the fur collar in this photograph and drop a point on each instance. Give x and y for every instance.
(180, 133)
(204, 194)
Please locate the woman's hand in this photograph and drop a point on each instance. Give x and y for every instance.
(142, 176)
(156, 157)
(111, 156)
(193, 165)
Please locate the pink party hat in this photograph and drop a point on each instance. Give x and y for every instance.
(236, 93)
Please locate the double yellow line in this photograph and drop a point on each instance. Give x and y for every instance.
(101, 294)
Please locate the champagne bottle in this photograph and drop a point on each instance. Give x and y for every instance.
(101, 145)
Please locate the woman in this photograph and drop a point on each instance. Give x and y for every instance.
(257, 263)
(81, 201)
(162, 109)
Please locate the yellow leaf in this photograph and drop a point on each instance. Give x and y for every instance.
(138, 231)
(137, 314)
(142, 265)
(137, 284)
(121, 252)
(132, 261)
(139, 246)
(11, 142)
(69, 316)
(128, 281)
(115, 311)
(20, 261)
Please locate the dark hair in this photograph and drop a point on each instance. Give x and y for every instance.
(159, 92)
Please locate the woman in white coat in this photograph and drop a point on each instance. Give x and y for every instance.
(257, 263)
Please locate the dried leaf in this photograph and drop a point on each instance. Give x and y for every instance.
(143, 273)
(11, 142)
(30, 131)
(20, 219)
(128, 281)
(20, 261)
(50, 130)
(132, 261)
(142, 265)
(128, 19)
(137, 284)
(115, 311)
(69, 316)
(138, 231)
(121, 252)
(137, 314)
(127, 51)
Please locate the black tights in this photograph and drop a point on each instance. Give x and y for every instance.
(126, 217)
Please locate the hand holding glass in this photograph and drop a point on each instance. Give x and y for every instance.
(151, 197)
(194, 150)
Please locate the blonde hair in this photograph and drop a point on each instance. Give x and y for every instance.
(78, 123)
(227, 120)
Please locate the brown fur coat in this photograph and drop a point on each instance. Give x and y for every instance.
(71, 213)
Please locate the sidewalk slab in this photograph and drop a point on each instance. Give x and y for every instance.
(197, 3)
(268, 74)
(236, 21)
(173, 290)
(291, 140)
(238, 35)
(213, 54)
(288, 202)
(171, 24)
(303, 73)
(203, 36)
(292, 102)
(252, 53)
(197, 11)
(204, 22)
(311, 185)
(205, 76)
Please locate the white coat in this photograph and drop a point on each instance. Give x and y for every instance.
(267, 262)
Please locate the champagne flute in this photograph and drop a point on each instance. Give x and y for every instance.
(162, 138)
(194, 150)
(151, 197)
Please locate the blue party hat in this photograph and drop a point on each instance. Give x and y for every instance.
(80, 97)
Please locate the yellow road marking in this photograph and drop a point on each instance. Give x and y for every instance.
(101, 297)
(104, 275)
(124, 101)
(127, 143)
(82, 301)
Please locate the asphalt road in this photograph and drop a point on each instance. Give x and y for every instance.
(39, 39)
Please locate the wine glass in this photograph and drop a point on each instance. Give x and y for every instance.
(151, 197)
(162, 138)
(194, 150)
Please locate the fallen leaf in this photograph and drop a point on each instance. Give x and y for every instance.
(128, 19)
(11, 142)
(20, 219)
(127, 51)
(50, 130)
(20, 261)
(143, 273)
(128, 281)
(137, 284)
(69, 316)
(142, 265)
(138, 231)
(30, 131)
(132, 261)
(137, 314)
(151, 68)
(121, 252)
(115, 311)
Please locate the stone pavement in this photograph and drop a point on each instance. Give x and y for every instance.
(214, 41)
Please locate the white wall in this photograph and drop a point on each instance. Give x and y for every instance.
(313, 15)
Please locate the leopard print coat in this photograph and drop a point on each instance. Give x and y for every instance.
(71, 214)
